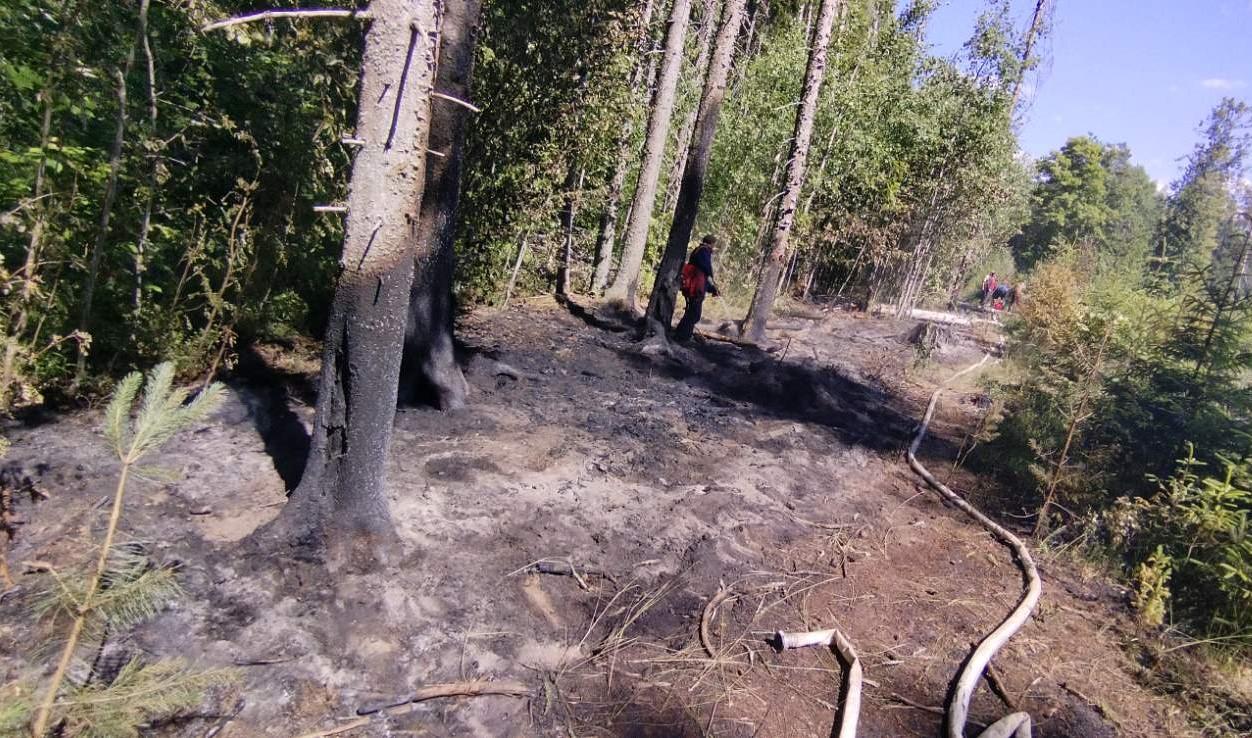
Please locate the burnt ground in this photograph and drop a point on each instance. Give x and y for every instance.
(663, 479)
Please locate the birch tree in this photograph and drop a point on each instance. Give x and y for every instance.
(767, 283)
(625, 287)
(700, 148)
(639, 76)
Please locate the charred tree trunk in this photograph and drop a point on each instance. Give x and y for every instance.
(608, 219)
(626, 284)
(665, 290)
(767, 284)
(429, 370)
(341, 502)
(683, 139)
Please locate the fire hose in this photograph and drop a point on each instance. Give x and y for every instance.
(1014, 725)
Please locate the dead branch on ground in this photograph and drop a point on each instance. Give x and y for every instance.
(470, 688)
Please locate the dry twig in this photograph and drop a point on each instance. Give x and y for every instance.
(707, 616)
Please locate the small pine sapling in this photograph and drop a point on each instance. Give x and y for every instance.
(123, 588)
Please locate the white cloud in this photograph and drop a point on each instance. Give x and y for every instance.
(1221, 83)
(1161, 186)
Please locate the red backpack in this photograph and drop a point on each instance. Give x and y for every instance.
(692, 281)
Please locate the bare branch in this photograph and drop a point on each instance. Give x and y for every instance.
(458, 101)
(330, 208)
(239, 20)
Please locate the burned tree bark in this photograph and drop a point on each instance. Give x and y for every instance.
(429, 371)
(626, 283)
(767, 283)
(665, 290)
(341, 501)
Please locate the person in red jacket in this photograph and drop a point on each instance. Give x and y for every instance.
(697, 280)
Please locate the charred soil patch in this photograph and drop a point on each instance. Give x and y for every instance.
(662, 479)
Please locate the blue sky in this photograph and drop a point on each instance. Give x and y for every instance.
(1140, 72)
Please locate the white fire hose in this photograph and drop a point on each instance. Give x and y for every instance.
(1014, 725)
(1017, 724)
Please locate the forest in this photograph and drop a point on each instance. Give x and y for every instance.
(342, 391)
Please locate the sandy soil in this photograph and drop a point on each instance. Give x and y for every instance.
(664, 479)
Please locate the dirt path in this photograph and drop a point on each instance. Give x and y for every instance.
(777, 477)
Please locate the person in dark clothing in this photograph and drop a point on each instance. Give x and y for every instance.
(1000, 296)
(697, 280)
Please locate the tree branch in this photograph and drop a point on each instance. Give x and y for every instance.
(457, 100)
(270, 14)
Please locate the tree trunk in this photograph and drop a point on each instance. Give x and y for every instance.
(19, 314)
(608, 219)
(665, 290)
(429, 371)
(573, 193)
(689, 123)
(1036, 24)
(145, 223)
(767, 284)
(626, 284)
(343, 483)
(106, 214)
(517, 267)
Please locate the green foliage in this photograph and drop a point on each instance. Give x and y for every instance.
(551, 79)
(1089, 193)
(163, 412)
(217, 191)
(1190, 541)
(1202, 199)
(1123, 362)
(131, 592)
(16, 704)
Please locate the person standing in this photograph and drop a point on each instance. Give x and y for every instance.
(697, 280)
(988, 288)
